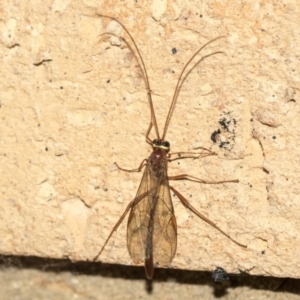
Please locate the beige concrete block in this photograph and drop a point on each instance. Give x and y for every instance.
(74, 101)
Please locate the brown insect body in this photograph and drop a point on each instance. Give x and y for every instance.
(152, 229)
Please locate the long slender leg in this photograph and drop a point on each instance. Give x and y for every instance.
(142, 165)
(195, 179)
(187, 204)
(130, 205)
(191, 154)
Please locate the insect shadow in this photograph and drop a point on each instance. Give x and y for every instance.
(151, 227)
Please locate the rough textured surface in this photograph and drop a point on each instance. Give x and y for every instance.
(54, 279)
(73, 101)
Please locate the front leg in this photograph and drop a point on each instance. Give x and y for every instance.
(190, 154)
(196, 179)
(142, 165)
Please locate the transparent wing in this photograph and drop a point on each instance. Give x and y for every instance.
(152, 192)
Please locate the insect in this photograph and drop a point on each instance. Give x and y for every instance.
(152, 228)
(219, 275)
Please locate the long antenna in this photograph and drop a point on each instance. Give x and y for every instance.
(181, 80)
(153, 118)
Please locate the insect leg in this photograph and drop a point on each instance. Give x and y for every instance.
(130, 205)
(193, 155)
(195, 179)
(135, 201)
(187, 204)
(190, 152)
(142, 165)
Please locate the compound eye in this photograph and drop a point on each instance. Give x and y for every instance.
(166, 144)
(156, 142)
